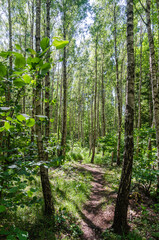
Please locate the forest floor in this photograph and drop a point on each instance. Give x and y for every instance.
(98, 212)
(84, 197)
(95, 219)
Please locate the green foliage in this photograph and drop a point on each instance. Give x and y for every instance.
(44, 44)
(13, 233)
(59, 43)
(108, 234)
(3, 70)
(19, 60)
(2, 208)
(145, 165)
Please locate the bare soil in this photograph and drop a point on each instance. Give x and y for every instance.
(97, 214)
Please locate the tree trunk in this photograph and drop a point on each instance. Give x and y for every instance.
(118, 89)
(157, 2)
(103, 101)
(57, 104)
(47, 80)
(140, 82)
(25, 43)
(8, 92)
(46, 188)
(92, 125)
(34, 91)
(95, 106)
(120, 218)
(155, 91)
(60, 112)
(64, 121)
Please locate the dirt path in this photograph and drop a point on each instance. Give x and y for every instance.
(97, 213)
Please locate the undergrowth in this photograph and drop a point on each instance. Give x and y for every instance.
(70, 188)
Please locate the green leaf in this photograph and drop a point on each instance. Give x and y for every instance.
(2, 129)
(18, 47)
(30, 122)
(35, 60)
(45, 68)
(31, 51)
(19, 82)
(21, 118)
(27, 78)
(33, 190)
(3, 70)
(2, 208)
(9, 119)
(58, 43)
(4, 54)
(7, 125)
(20, 60)
(44, 43)
(52, 120)
(30, 193)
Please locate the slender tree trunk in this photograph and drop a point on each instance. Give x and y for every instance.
(120, 218)
(103, 100)
(9, 81)
(140, 82)
(118, 89)
(60, 124)
(47, 79)
(157, 1)
(95, 105)
(34, 91)
(52, 125)
(82, 117)
(46, 188)
(92, 126)
(32, 27)
(25, 43)
(155, 89)
(8, 93)
(64, 127)
(57, 104)
(79, 108)
(98, 110)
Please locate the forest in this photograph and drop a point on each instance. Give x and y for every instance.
(79, 119)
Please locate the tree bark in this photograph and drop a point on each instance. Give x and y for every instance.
(92, 125)
(64, 120)
(120, 218)
(46, 188)
(34, 91)
(140, 82)
(103, 100)
(118, 89)
(8, 92)
(155, 89)
(25, 44)
(157, 2)
(95, 105)
(47, 79)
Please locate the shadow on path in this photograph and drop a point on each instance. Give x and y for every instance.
(97, 214)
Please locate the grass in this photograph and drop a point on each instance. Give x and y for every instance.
(70, 189)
